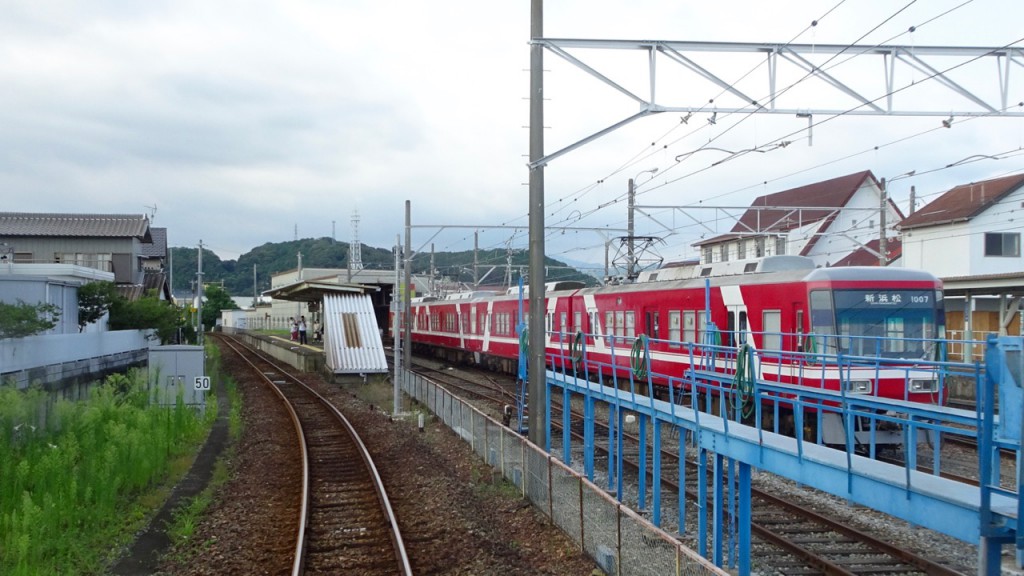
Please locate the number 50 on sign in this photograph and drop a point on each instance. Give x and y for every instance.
(202, 383)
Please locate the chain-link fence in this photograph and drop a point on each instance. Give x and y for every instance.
(622, 542)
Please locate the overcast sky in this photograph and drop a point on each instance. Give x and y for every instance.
(239, 123)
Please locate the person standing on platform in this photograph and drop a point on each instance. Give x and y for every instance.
(294, 327)
(302, 330)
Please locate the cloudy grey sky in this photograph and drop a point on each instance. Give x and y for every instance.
(242, 121)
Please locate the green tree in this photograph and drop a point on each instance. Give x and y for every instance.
(94, 300)
(24, 319)
(148, 312)
(216, 299)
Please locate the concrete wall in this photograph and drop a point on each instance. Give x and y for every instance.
(61, 359)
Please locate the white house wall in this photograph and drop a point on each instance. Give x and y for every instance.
(1006, 216)
(953, 250)
(945, 251)
(855, 226)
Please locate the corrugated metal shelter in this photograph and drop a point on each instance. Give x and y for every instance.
(352, 340)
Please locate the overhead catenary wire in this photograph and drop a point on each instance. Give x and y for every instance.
(806, 76)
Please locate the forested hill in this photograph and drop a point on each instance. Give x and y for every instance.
(272, 258)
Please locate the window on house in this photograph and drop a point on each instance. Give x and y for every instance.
(741, 249)
(723, 252)
(758, 247)
(1002, 244)
(707, 254)
(780, 245)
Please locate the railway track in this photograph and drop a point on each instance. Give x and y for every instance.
(809, 542)
(346, 524)
(795, 540)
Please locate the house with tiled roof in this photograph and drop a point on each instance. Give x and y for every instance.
(972, 230)
(827, 221)
(46, 258)
(122, 244)
(970, 237)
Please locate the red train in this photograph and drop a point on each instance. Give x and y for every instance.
(868, 329)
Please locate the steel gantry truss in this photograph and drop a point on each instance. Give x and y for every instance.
(924, 65)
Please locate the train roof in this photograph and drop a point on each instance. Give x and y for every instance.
(878, 273)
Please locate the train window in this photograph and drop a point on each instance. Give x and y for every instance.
(895, 334)
(653, 328)
(702, 323)
(730, 329)
(630, 325)
(472, 320)
(577, 320)
(742, 336)
(822, 319)
(772, 330)
(562, 325)
(620, 323)
(689, 326)
(674, 333)
(609, 325)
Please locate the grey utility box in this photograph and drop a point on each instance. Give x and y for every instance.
(178, 368)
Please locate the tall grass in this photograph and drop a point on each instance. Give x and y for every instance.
(68, 470)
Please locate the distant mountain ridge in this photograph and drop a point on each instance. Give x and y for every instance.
(276, 257)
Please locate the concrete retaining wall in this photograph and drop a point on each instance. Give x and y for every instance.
(65, 362)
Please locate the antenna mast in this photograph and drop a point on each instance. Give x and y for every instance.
(355, 250)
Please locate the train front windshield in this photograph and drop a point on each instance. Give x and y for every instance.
(884, 323)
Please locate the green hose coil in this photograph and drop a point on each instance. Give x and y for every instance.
(576, 350)
(636, 357)
(743, 381)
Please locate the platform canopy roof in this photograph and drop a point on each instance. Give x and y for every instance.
(315, 290)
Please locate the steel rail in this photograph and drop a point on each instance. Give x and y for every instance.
(814, 559)
(401, 556)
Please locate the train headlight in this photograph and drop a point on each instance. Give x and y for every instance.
(858, 387)
(924, 385)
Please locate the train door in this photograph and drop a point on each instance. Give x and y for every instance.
(651, 321)
(594, 322)
(735, 327)
(798, 328)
